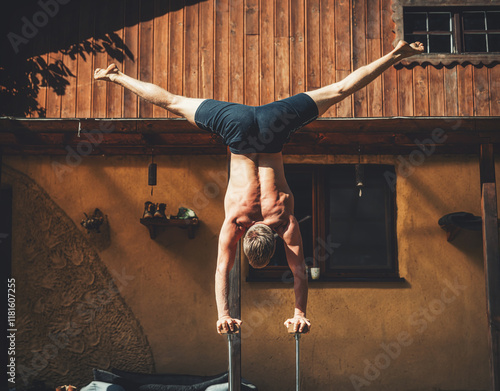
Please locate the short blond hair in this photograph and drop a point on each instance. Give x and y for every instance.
(259, 245)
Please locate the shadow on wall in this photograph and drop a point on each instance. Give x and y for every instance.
(70, 315)
(29, 29)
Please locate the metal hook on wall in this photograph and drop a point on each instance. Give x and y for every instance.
(152, 173)
(360, 173)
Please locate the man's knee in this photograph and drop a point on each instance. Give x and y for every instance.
(326, 97)
(176, 103)
(185, 107)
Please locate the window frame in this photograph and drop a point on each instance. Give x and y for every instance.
(442, 58)
(320, 211)
(485, 32)
(373, 273)
(418, 10)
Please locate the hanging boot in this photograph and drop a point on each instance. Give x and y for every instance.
(160, 211)
(149, 210)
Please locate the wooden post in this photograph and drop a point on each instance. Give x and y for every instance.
(235, 312)
(486, 164)
(491, 254)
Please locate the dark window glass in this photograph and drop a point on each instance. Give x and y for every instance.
(440, 44)
(300, 183)
(359, 226)
(415, 22)
(473, 20)
(279, 257)
(475, 42)
(417, 38)
(494, 42)
(493, 20)
(439, 21)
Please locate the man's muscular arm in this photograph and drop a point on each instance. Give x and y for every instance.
(228, 239)
(295, 257)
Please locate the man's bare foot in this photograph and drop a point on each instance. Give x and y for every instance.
(107, 74)
(407, 50)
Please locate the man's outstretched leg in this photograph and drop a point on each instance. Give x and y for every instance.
(179, 105)
(334, 93)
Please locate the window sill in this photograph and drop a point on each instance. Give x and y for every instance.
(446, 59)
(394, 279)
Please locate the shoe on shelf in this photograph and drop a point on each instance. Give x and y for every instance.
(149, 210)
(160, 211)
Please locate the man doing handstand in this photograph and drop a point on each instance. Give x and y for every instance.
(258, 202)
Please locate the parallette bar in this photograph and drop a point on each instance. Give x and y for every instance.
(291, 329)
(228, 331)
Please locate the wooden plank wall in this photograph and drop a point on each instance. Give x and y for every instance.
(254, 52)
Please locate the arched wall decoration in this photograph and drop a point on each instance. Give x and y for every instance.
(70, 315)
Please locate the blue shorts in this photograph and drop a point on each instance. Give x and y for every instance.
(262, 129)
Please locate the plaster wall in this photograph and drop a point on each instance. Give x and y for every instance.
(428, 333)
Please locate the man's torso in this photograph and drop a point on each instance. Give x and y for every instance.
(257, 191)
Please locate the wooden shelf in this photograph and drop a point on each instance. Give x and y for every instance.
(154, 222)
(452, 230)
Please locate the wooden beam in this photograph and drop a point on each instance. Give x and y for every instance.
(491, 254)
(387, 125)
(450, 135)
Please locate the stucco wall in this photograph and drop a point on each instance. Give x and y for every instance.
(438, 315)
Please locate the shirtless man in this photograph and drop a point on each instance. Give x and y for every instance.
(258, 201)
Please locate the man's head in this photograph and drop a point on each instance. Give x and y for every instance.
(259, 245)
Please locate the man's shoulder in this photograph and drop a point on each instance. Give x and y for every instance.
(231, 231)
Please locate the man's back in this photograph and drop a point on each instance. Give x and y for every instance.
(258, 192)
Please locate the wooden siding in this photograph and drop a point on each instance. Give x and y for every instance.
(253, 52)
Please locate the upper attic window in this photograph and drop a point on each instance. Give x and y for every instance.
(433, 29)
(451, 32)
(481, 31)
(454, 30)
